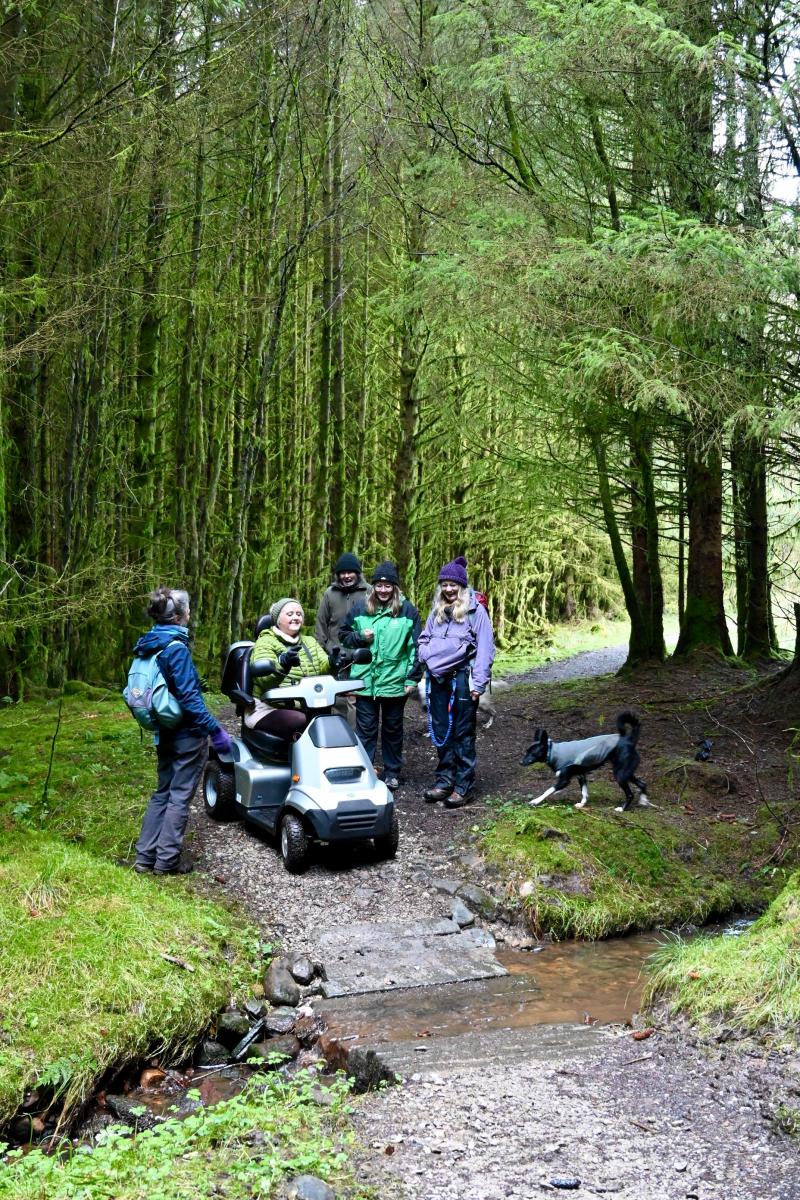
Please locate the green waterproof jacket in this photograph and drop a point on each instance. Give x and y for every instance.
(271, 643)
(394, 665)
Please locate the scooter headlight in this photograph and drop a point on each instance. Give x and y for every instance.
(344, 774)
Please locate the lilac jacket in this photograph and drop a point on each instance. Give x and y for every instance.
(443, 648)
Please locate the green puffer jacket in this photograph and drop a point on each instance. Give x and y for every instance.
(271, 643)
(394, 665)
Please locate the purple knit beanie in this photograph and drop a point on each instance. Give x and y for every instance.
(456, 571)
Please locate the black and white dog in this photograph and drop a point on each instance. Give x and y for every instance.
(574, 760)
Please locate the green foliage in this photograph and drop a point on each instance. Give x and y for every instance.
(241, 1148)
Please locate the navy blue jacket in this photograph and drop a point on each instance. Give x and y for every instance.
(181, 678)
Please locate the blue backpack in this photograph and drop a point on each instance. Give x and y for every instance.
(148, 697)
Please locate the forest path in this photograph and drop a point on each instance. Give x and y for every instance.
(655, 1120)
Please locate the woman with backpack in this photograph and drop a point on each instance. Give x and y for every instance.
(457, 649)
(389, 625)
(181, 750)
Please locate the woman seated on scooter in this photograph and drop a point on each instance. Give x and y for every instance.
(294, 658)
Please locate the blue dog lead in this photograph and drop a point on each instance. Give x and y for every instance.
(439, 744)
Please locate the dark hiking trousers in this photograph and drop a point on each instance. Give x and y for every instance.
(457, 757)
(388, 711)
(180, 761)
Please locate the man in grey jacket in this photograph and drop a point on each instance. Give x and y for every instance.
(348, 587)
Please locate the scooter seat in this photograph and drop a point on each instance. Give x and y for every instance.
(266, 745)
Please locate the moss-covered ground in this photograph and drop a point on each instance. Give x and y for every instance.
(590, 874)
(98, 965)
(748, 984)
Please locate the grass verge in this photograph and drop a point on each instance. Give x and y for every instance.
(101, 770)
(593, 874)
(100, 965)
(240, 1148)
(750, 984)
(85, 981)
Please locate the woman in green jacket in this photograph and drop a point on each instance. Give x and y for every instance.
(389, 625)
(294, 658)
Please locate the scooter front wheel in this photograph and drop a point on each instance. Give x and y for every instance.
(386, 846)
(294, 843)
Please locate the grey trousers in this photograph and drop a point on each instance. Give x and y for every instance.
(180, 761)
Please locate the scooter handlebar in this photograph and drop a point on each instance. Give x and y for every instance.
(264, 666)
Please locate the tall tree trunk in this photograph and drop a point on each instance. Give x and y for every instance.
(646, 568)
(143, 520)
(639, 642)
(704, 622)
(751, 527)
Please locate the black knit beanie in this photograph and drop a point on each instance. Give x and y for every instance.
(388, 571)
(347, 562)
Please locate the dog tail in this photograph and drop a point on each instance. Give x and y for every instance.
(628, 725)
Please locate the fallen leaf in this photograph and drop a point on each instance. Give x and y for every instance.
(695, 975)
(388, 1150)
(640, 1034)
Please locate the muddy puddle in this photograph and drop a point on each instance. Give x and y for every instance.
(565, 983)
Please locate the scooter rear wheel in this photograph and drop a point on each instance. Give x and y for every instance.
(219, 792)
(294, 843)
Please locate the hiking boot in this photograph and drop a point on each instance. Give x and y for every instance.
(184, 866)
(392, 782)
(436, 793)
(456, 800)
(142, 868)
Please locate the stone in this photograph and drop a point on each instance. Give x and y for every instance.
(25, 1129)
(231, 1027)
(255, 1007)
(446, 887)
(481, 938)
(470, 861)
(308, 1187)
(478, 899)
(279, 987)
(129, 1111)
(280, 1020)
(302, 970)
(462, 915)
(375, 957)
(152, 1077)
(211, 1054)
(526, 889)
(285, 1047)
(306, 1028)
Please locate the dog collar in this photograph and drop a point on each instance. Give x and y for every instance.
(549, 752)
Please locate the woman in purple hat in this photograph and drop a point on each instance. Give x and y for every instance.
(457, 649)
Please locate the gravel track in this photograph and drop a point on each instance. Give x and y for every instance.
(653, 1120)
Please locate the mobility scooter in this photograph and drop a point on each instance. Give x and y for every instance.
(320, 789)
